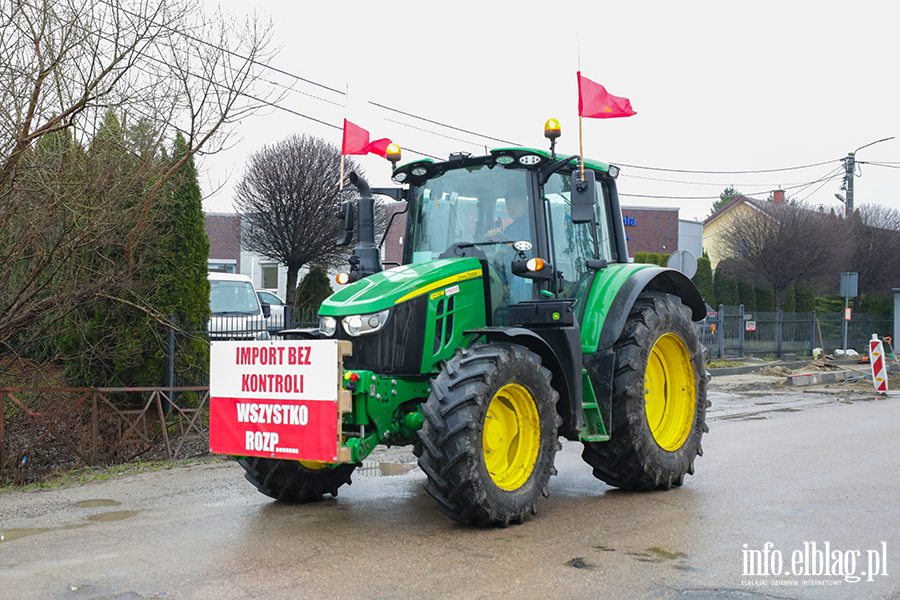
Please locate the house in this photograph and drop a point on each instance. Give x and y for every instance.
(715, 226)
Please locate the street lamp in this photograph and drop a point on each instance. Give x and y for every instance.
(850, 170)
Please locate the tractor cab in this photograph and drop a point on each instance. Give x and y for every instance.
(483, 206)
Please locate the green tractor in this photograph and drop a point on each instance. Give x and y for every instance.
(515, 319)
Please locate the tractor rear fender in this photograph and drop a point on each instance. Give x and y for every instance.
(560, 351)
(655, 279)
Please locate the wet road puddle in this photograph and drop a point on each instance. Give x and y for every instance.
(95, 503)
(371, 468)
(116, 515)
(8, 535)
(660, 555)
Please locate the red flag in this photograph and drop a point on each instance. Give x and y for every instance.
(379, 147)
(596, 103)
(356, 141)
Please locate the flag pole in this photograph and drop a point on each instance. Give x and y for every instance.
(343, 130)
(580, 148)
(580, 140)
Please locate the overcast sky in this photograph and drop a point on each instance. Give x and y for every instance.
(717, 87)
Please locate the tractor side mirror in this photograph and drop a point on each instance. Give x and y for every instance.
(583, 195)
(346, 213)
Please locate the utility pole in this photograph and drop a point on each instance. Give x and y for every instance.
(849, 174)
(849, 170)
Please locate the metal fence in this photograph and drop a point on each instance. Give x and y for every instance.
(44, 429)
(732, 331)
(235, 327)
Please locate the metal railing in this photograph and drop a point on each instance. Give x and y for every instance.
(43, 429)
(732, 331)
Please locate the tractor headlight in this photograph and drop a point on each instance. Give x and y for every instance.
(357, 325)
(327, 325)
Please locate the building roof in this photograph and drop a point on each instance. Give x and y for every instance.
(759, 205)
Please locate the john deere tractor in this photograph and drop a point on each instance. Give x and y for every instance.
(514, 320)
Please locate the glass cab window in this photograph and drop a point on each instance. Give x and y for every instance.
(486, 205)
(572, 243)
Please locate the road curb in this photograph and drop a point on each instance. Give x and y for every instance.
(803, 379)
(754, 368)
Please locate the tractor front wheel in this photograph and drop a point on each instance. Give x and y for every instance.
(659, 399)
(490, 434)
(293, 480)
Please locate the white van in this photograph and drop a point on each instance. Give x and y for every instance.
(237, 313)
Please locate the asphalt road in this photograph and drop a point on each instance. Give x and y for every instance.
(825, 472)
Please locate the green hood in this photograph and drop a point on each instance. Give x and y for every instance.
(387, 288)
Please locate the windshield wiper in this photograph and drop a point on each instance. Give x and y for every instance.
(460, 249)
(473, 244)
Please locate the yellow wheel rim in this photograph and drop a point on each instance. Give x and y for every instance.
(512, 436)
(669, 392)
(315, 466)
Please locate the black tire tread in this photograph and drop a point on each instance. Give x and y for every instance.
(451, 448)
(631, 459)
(289, 481)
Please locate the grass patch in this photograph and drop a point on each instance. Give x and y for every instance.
(719, 364)
(66, 477)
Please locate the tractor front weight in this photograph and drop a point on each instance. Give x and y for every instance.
(385, 410)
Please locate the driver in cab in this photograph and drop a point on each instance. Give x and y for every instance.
(520, 228)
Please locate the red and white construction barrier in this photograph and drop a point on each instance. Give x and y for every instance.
(879, 368)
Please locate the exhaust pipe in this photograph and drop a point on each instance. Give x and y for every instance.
(366, 258)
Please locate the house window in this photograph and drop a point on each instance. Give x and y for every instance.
(221, 266)
(269, 276)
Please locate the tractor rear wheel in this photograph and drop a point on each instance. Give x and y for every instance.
(293, 480)
(659, 399)
(490, 434)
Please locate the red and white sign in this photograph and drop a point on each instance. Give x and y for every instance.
(276, 399)
(750, 326)
(879, 369)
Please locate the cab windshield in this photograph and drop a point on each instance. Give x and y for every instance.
(482, 205)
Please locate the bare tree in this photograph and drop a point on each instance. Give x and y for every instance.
(781, 244)
(288, 199)
(873, 234)
(69, 223)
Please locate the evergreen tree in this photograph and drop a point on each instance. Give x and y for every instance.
(653, 258)
(179, 270)
(725, 287)
(728, 195)
(641, 257)
(806, 297)
(120, 340)
(663, 259)
(703, 279)
(765, 299)
(747, 296)
(312, 291)
(790, 299)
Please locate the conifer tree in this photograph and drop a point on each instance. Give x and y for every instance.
(703, 279)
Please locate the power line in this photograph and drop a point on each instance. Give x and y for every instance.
(704, 182)
(831, 175)
(260, 100)
(874, 164)
(487, 137)
(441, 124)
(728, 172)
